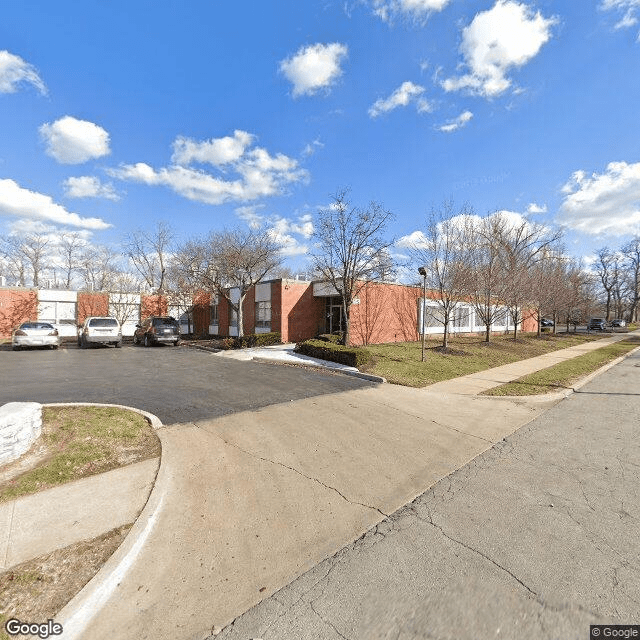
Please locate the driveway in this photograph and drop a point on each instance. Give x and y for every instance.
(176, 384)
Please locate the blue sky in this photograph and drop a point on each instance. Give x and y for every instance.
(212, 114)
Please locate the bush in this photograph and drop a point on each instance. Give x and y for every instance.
(334, 338)
(324, 350)
(252, 340)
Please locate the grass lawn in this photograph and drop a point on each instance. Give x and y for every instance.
(400, 362)
(77, 442)
(564, 374)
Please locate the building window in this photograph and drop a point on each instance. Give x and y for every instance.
(214, 313)
(263, 315)
(233, 318)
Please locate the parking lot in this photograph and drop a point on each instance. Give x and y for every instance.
(178, 384)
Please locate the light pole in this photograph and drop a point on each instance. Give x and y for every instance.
(423, 272)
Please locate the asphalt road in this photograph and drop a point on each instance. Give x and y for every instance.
(178, 384)
(536, 538)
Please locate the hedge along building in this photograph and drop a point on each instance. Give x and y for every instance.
(299, 310)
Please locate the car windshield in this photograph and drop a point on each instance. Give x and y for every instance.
(36, 325)
(103, 322)
(164, 322)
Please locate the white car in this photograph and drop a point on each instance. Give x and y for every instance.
(100, 330)
(35, 334)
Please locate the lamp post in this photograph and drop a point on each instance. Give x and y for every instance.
(423, 272)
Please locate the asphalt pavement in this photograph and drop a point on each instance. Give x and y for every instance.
(535, 538)
(177, 384)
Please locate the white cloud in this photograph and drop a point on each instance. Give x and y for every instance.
(503, 38)
(22, 203)
(311, 148)
(73, 141)
(14, 71)
(406, 93)
(628, 7)
(258, 173)
(88, 187)
(414, 9)
(250, 215)
(607, 203)
(218, 151)
(536, 208)
(281, 230)
(314, 68)
(417, 239)
(458, 123)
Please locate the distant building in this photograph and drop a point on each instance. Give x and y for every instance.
(296, 309)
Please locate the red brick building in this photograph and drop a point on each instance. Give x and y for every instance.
(298, 310)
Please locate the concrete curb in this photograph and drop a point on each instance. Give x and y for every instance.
(79, 611)
(153, 419)
(314, 365)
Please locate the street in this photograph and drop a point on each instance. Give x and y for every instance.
(535, 538)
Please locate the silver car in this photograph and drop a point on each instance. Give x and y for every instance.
(100, 330)
(35, 334)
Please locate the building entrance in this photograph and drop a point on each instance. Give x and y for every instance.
(334, 315)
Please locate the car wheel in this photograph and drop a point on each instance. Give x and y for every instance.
(16, 347)
(83, 343)
(135, 339)
(119, 344)
(147, 342)
(175, 344)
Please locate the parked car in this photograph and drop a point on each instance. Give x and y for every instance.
(35, 334)
(618, 322)
(597, 324)
(100, 330)
(545, 322)
(157, 330)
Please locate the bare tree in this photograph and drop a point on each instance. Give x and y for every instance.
(98, 267)
(443, 254)
(70, 247)
(14, 259)
(522, 246)
(229, 260)
(608, 273)
(351, 248)
(631, 256)
(486, 275)
(149, 252)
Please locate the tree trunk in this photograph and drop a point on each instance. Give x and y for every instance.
(240, 316)
(346, 308)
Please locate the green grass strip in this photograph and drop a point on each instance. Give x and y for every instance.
(565, 374)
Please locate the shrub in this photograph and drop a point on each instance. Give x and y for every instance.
(324, 350)
(251, 340)
(334, 338)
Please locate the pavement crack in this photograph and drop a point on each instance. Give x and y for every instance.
(326, 622)
(284, 466)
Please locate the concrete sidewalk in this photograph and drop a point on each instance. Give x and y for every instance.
(43, 522)
(476, 383)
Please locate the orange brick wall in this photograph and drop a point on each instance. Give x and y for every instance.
(155, 305)
(386, 313)
(295, 312)
(16, 306)
(92, 304)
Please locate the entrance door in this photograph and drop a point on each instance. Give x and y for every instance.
(334, 317)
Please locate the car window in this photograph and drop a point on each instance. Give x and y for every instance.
(36, 325)
(164, 322)
(103, 322)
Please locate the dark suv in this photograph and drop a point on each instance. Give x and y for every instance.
(157, 330)
(597, 324)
